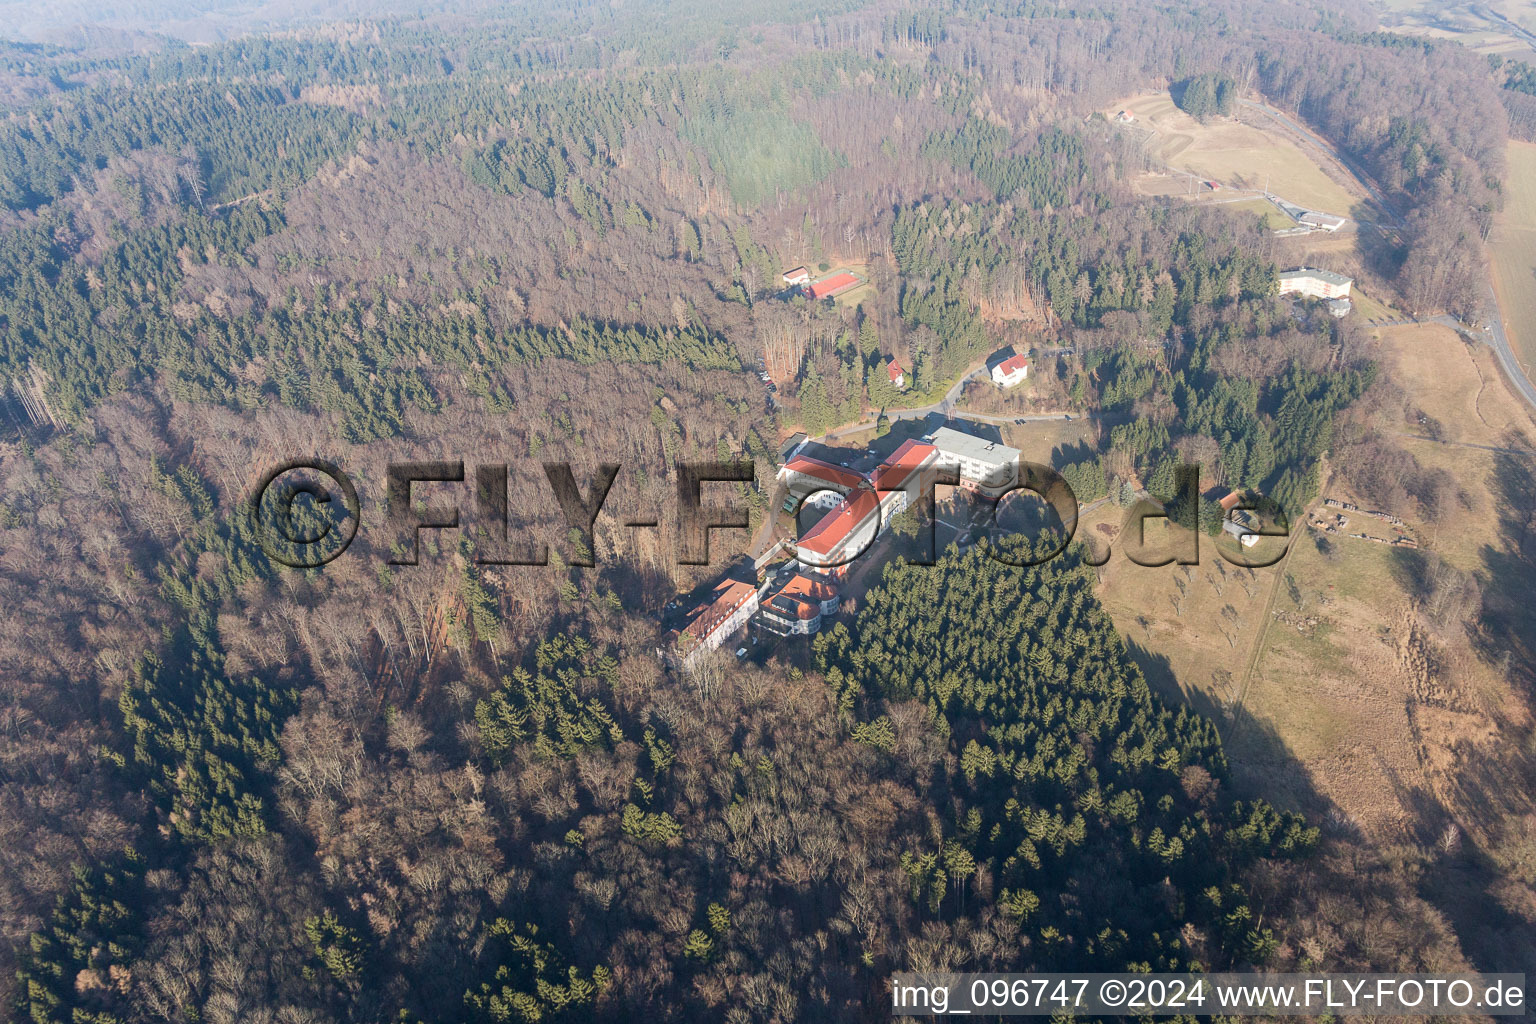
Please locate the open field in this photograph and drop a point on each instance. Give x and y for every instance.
(1514, 253)
(1264, 209)
(1466, 23)
(1039, 438)
(1358, 701)
(1236, 154)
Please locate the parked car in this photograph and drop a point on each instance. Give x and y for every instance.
(741, 652)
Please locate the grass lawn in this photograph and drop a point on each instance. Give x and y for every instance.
(1367, 308)
(1272, 218)
(1237, 155)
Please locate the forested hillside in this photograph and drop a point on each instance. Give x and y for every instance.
(455, 791)
(1089, 812)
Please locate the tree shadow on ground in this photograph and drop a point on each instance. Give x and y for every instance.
(1363, 906)
(1492, 831)
(1380, 250)
(1067, 454)
(1287, 782)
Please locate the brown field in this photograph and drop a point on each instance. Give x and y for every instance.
(1235, 154)
(1465, 23)
(1356, 705)
(1514, 253)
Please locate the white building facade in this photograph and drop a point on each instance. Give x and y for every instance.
(733, 604)
(987, 467)
(1010, 372)
(1316, 284)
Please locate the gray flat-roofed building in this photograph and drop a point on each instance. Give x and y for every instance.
(788, 449)
(987, 467)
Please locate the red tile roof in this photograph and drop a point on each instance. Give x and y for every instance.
(1227, 498)
(727, 598)
(803, 587)
(852, 513)
(893, 368)
(807, 466)
(832, 285)
(1014, 364)
(893, 472)
(788, 604)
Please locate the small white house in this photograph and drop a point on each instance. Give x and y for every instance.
(1010, 371)
(797, 276)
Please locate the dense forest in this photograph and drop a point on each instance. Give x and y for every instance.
(234, 791)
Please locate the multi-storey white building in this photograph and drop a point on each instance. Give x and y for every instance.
(819, 484)
(1317, 284)
(844, 533)
(986, 467)
(799, 606)
(730, 605)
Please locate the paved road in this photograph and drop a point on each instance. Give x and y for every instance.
(1495, 338)
(897, 415)
(1519, 31)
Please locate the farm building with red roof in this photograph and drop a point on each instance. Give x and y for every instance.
(834, 285)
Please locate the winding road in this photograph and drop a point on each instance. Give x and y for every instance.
(1494, 337)
(1517, 30)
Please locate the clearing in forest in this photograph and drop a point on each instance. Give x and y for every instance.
(1359, 701)
(1239, 156)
